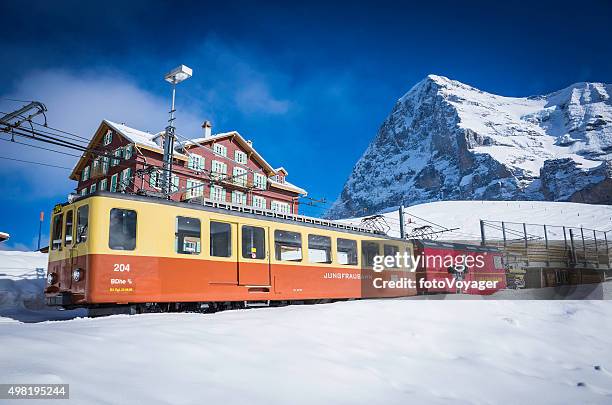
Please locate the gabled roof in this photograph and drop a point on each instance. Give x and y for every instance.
(287, 186)
(247, 146)
(139, 138)
(282, 169)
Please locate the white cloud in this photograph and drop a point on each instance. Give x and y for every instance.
(77, 102)
(256, 98)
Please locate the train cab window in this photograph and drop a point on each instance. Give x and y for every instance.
(288, 246)
(82, 223)
(390, 250)
(220, 239)
(347, 251)
(56, 239)
(122, 232)
(68, 228)
(368, 251)
(187, 236)
(253, 242)
(319, 249)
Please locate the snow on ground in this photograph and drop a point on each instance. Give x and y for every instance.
(393, 351)
(21, 288)
(466, 216)
(371, 351)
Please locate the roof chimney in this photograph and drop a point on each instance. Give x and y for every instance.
(207, 126)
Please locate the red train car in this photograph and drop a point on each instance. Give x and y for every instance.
(446, 267)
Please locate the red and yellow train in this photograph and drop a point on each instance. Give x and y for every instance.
(112, 251)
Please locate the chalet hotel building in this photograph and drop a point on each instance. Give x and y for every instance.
(220, 167)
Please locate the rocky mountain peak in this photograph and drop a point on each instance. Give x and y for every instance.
(447, 140)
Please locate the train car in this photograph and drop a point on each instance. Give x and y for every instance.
(113, 251)
(441, 264)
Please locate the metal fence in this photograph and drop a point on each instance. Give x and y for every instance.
(549, 245)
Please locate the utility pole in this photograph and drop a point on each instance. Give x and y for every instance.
(401, 222)
(173, 77)
(40, 222)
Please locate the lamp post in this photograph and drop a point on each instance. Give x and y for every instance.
(174, 77)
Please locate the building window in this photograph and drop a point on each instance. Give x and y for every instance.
(219, 169)
(239, 176)
(105, 165)
(122, 232)
(259, 202)
(240, 157)
(220, 239)
(238, 197)
(260, 181)
(281, 207)
(82, 223)
(128, 151)
(319, 249)
(347, 251)
(113, 185)
(95, 168)
(108, 137)
(188, 233)
(220, 150)
(175, 183)
(84, 191)
(196, 162)
(118, 152)
(68, 229)
(154, 179)
(253, 242)
(126, 179)
(217, 193)
(103, 184)
(288, 246)
(369, 250)
(85, 174)
(194, 189)
(56, 239)
(92, 189)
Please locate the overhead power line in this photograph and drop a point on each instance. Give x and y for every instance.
(34, 163)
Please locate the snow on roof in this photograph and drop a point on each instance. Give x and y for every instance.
(281, 169)
(140, 138)
(288, 186)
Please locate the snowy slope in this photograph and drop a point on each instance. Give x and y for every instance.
(466, 216)
(393, 352)
(21, 289)
(447, 140)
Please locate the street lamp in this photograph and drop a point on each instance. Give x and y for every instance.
(174, 77)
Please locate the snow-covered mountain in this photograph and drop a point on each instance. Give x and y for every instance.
(445, 140)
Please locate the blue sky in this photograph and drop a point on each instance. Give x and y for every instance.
(309, 83)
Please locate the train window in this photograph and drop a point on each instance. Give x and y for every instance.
(122, 233)
(220, 239)
(368, 251)
(347, 251)
(82, 223)
(68, 228)
(253, 242)
(319, 249)
(288, 246)
(390, 250)
(187, 236)
(56, 239)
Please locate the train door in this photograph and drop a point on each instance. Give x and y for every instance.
(69, 246)
(254, 256)
(225, 250)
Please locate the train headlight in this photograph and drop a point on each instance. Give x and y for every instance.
(77, 274)
(50, 278)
